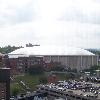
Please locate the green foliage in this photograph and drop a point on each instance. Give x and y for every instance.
(15, 92)
(15, 89)
(8, 49)
(30, 80)
(95, 67)
(56, 66)
(95, 51)
(73, 70)
(35, 70)
(61, 76)
(92, 69)
(43, 80)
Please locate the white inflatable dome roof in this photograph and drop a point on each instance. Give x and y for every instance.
(49, 50)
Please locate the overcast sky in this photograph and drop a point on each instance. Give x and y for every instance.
(50, 22)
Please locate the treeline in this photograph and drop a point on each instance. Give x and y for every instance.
(95, 51)
(8, 49)
(92, 69)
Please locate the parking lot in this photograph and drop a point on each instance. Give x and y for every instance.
(81, 89)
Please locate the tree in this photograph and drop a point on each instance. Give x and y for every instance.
(43, 80)
(36, 69)
(15, 91)
(56, 66)
(95, 67)
(8, 49)
(92, 69)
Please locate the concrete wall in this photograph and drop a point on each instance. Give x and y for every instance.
(78, 62)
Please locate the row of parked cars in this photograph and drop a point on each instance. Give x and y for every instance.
(84, 88)
(94, 79)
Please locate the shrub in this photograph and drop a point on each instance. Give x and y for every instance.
(36, 69)
(43, 80)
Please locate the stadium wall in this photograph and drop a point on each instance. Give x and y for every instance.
(78, 62)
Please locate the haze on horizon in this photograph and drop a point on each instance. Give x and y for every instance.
(50, 22)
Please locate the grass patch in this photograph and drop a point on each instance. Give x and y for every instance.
(16, 88)
(30, 80)
(61, 76)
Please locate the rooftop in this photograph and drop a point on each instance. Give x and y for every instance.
(49, 50)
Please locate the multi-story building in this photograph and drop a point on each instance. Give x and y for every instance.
(21, 64)
(4, 78)
(4, 84)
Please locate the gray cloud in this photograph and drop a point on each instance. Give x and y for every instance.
(83, 13)
(11, 14)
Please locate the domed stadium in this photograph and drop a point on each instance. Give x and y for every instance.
(69, 56)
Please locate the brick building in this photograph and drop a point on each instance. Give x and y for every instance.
(4, 84)
(21, 64)
(52, 78)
